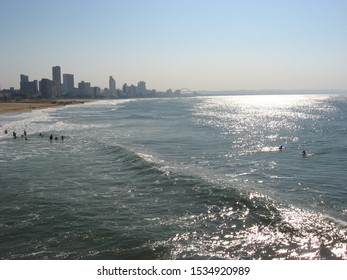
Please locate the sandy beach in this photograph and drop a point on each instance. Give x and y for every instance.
(22, 106)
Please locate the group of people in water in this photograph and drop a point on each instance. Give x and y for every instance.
(24, 135)
(55, 138)
(14, 134)
(303, 151)
(62, 139)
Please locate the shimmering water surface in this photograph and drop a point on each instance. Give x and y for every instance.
(185, 178)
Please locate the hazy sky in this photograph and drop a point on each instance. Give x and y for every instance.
(202, 45)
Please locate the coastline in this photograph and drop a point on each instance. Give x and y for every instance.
(29, 105)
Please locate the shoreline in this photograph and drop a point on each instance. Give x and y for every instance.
(30, 105)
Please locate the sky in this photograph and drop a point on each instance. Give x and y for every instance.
(195, 44)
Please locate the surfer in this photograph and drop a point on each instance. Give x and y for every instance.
(25, 133)
(304, 153)
(280, 148)
(51, 137)
(5, 131)
(14, 135)
(62, 138)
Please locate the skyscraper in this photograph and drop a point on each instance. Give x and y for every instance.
(68, 83)
(24, 78)
(141, 87)
(125, 88)
(112, 84)
(84, 88)
(56, 73)
(47, 88)
(28, 88)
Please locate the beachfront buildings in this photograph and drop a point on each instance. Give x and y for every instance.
(58, 88)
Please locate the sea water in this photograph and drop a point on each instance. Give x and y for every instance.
(177, 178)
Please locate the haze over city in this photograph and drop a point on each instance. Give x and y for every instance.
(201, 45)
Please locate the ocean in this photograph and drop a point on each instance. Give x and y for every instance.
(177, 178)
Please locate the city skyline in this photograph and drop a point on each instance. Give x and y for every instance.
(62, 85)
(201, 45)
(65, 82)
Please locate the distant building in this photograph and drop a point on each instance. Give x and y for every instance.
(133, 90)
(84, 88)
(96, 92)
(112, 84)
(125, 88)
(68, 83)
(56, 74)
(24, 78)
(141, 87)
(47, 88)
(29, 89)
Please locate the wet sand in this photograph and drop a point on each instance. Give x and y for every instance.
(22, 106)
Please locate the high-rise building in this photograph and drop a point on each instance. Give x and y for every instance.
(28, 88)
(112, 84)
(68, 83)
(95, 92)
(141, 87)
(24, 78)
(133, 90)
(47, 88)
(125, 88)
(56, 73)
(84, 88)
